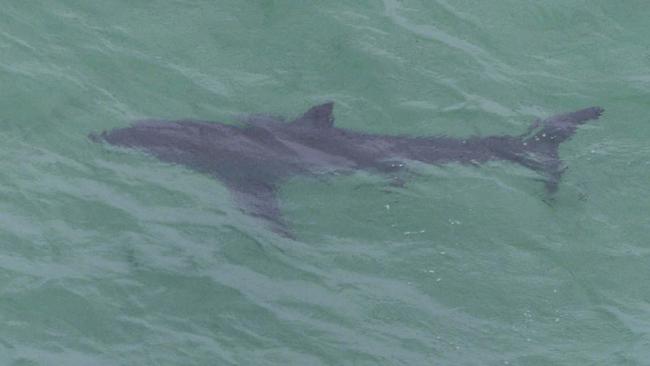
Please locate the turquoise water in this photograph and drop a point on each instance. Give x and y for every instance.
(111, 257)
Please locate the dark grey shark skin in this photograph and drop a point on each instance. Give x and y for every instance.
(252, 159)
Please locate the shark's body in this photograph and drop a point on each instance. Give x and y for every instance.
(252, 159)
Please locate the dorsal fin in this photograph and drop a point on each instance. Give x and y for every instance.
(319, 116)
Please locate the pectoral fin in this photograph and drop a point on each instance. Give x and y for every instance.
(259, 199)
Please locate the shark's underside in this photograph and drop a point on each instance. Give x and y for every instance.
(253, 158)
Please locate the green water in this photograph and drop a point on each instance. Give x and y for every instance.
(113, 258)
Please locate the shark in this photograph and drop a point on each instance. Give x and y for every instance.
(254, 157)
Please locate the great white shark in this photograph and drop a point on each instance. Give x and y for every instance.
(254, 157)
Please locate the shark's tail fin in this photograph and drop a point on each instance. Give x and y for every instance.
(543, 138)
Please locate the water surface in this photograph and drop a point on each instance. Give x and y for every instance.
(110, 257)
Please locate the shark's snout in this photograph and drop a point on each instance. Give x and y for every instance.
(96, 137)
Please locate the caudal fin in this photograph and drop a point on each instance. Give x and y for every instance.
(543, 138)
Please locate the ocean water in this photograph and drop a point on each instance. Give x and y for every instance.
(110, 257)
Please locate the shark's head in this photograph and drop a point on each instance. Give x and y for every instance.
(176, 142)
(150, 134)
(179, 142)
(134, 136)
